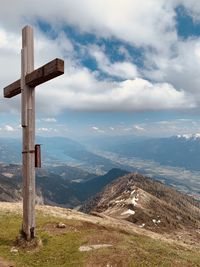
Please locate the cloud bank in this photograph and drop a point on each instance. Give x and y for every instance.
(168, 79)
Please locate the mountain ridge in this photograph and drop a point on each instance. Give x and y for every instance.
(62, 187)
(147, 203)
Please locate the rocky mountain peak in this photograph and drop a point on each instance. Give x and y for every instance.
(146, 203)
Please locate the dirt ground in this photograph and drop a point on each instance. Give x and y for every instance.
(4, 263)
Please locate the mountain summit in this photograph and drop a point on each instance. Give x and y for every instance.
(147, 203)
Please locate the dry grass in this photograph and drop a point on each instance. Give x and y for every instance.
(60, 247)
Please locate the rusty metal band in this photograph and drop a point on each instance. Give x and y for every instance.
(28, 151)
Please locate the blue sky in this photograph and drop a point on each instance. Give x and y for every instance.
(131, 67)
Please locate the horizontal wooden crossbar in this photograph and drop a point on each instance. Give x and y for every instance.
(45, 73)
(12, 89)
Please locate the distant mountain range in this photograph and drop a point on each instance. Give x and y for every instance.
(178, 151)
(56, 150)
(65, 186)
(182, 151)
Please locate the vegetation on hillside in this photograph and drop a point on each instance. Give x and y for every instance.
(60, 246)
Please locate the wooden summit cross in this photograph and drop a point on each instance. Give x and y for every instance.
(30, 78)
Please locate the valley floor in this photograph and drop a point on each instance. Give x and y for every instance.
(90, 241)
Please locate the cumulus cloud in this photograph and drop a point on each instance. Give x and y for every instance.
(140, 22)
(125, 69)
(192, 8)
(139, 128)
(97, 129)
(8, 128)
(171, 127)
(49, 119)
(45, 50)
(80, 89)
(129, 95)
(180, 68)
(112, 128)
(45, 129)
(169, 80)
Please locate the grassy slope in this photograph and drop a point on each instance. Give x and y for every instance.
(60, 246)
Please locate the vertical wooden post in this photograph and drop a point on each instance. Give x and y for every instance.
(30, 78)
(28, 125)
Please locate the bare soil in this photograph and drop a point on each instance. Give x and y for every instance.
(4, 263)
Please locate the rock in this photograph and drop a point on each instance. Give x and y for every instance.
(91, 247)
(13, 250)
(61, 225)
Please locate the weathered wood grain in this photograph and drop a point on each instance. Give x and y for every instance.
(13, 89)
(28, 130)
(43, 74)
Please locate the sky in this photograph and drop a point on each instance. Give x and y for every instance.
(132, 67)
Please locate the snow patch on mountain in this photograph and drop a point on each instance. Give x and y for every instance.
(189, 136)
(134, 200)
(129, 211)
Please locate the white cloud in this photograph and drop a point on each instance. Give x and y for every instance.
(192, 8)
(129, 95)
(80, 89)
(139, 128)
(171, 127)
(129, 129)
(140, 22)
(181, 67)
(8, 128)
(43, 129)
(125, 70)
(49, 120)
(45, 50)
(95, 128)
(175, 71)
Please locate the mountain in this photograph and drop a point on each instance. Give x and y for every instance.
(10, 190)
(87, 241)
(65, 186)
(10, 150)
(69, 173)
(85, 190)
(50, 188)
(57, 150)
(60, 149)
(178, 151)
(146, 203)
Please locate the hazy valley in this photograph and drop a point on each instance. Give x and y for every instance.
(128, 201)
(149, 157)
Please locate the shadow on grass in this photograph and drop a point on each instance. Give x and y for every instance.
(6, 242)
